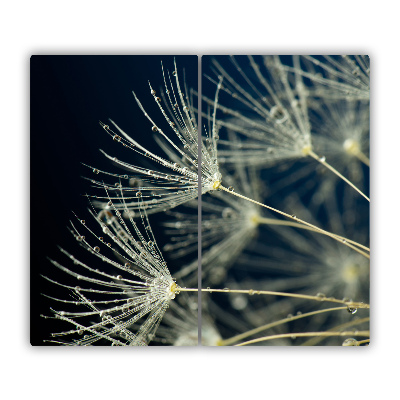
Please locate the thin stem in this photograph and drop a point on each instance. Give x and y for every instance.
(362, 157)
(363, 341)
(349, 304)
(271, 221)
(339, 239)
(228, 342)
(314, 341)
(336, 172)
(304, 334)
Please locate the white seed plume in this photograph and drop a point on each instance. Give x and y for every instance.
(124, 297)
(177, 181)
(267, 108)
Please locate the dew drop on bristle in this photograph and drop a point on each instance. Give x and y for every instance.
(352, 310)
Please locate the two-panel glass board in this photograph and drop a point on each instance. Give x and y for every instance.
(179, 201)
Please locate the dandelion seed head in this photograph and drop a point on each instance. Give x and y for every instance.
(273, 116)
(137, 294)
(175, 180)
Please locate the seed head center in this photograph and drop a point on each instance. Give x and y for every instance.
(216, 185)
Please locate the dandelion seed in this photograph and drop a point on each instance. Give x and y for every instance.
(272, 122)
(276, 128)
(122, 309)
(164, 190)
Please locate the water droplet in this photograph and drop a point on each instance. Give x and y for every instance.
(350, 342)
(97, 249)
(322, 159)
(139, 194)
(231, 189)
(117, 138)
(174, 73)
(153, 92)
(151, 244)
(278, 113)
(321, 296)
(251, 292)
(289, 316)
(119, 277)
(95, 170)
(154, 129)
(352, 310)
(83, 222)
